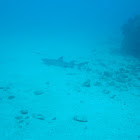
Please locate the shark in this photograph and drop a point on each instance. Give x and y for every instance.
(61, 63)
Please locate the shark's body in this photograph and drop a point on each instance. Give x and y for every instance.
(61, 63)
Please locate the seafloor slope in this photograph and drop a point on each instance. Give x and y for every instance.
(99, 101)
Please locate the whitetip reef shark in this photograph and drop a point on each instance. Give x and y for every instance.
(61, 63)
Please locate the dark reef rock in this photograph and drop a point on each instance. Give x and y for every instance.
(22, 120)
(131, 37)
(39, 116)
(87, 83)
(24, 112)
(80, 119)
(11, 97)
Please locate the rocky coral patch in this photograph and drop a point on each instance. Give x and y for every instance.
(131, 37)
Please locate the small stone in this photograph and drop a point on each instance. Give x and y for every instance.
(47, 83)
(11, 97)
(6, 88)
(38, 92)
(54, 118)
(39, 116)
(24, 112)
(21, 121)
(27, 117)
(87, 83)
(106, 91)
(18, 117)
(2, 87)
(97, 84)
(113, 96)
(80, 119)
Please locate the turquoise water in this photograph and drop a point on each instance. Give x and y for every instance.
(62, 73)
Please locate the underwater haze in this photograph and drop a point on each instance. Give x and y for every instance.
(63, 72)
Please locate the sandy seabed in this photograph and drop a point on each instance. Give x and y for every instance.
(100, 101)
